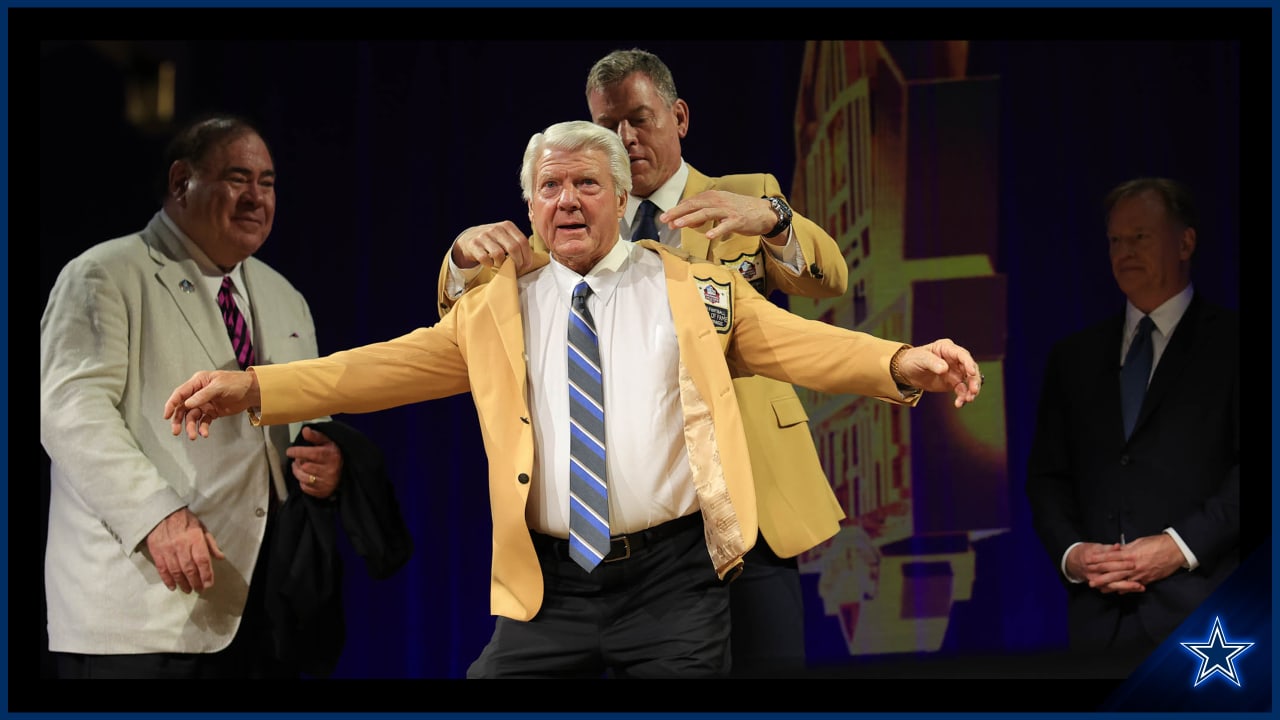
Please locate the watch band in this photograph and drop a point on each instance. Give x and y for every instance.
(905, 389)
(784, 215)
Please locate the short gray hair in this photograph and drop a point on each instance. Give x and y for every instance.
(573, 136)
(617, 65)
(1175, 196)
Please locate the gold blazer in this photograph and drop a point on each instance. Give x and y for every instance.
(479, 348)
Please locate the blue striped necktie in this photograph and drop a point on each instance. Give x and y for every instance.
(588, 486)
(237, 328)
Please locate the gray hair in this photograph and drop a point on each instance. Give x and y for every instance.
(1175, 196)
(617, 65)
(576, 135)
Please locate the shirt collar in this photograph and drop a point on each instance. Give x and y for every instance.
(1165, 318)
(665, 197)
(603, 278)
(208, 268)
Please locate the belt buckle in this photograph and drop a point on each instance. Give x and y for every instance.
(626, 544)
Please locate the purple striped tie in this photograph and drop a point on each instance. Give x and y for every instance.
(237, 329)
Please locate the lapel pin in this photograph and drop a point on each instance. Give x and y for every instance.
(186, 286)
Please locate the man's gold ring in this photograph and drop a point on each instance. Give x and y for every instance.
(311, 480)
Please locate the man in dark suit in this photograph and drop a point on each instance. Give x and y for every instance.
(1139, 508)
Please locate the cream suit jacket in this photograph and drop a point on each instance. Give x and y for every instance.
(126, 322)
(797, 507)
(479, 348)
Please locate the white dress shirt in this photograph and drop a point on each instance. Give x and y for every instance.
(211, 275)
(650, 481)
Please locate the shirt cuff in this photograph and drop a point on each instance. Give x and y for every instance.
(1189, 558)
(1063, 565)
(458, 278)
(790, 256)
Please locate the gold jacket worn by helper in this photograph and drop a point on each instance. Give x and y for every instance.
(479, 347)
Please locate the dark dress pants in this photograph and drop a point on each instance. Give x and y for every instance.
(660, 613)
(767, 606)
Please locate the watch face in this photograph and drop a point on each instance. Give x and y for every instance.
(784, 216)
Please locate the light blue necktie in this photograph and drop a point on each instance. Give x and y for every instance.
(1135, 373)
(645, 228)
(588, 485)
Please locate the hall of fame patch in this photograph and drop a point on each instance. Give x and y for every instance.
(719, 301)
(750, 266)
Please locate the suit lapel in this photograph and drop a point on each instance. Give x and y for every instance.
(180, 277)
(274, 326)
(1103, 382)
(504, 304)
(694, 240)
(1175, 359)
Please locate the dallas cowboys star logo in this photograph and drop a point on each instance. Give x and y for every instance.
(1217, 655)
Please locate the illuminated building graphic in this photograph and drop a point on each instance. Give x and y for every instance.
(897, 155)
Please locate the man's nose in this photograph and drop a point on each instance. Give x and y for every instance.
(568, 197)
(252, 193)
(626, 133)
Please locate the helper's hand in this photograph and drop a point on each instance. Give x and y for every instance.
(490, 245)
(731, 213)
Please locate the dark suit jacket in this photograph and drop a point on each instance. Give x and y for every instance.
(304, 589)
(1179, 469)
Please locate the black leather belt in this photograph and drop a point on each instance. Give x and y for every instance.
(622, 547)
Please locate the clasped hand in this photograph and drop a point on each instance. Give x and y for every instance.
(1125, 568)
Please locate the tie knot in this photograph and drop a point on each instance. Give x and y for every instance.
(647, 210)
(226, 283)
(1145, 325)
(580, 293)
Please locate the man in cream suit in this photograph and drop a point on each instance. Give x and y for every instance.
(681, 501)
(741, 222)
(152, 567)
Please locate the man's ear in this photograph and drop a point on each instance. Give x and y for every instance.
(179, 179)
(1188, 245)
(681, 111)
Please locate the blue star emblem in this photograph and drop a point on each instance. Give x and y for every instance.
(1217, 655)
